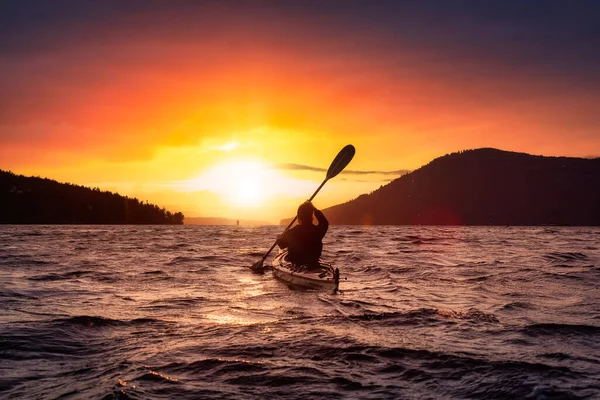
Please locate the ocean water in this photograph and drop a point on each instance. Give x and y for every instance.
(165, 312)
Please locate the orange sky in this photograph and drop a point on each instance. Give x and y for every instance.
(197, 107)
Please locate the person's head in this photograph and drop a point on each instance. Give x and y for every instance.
(305, 213)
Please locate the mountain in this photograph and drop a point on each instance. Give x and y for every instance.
(32, 200)
(483, 187)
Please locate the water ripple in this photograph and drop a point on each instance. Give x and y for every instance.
(138, 312)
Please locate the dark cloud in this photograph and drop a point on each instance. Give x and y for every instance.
(553, 35)
(552, 38)
(464, 41)
(300, 167)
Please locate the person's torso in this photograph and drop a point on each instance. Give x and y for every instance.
(305, 244)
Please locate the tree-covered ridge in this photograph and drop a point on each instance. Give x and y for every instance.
(484, 187)
(33, 200)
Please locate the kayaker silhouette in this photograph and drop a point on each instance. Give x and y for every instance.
(305, 241)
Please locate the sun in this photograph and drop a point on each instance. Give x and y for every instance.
(248, 190)
(251, 184)
(241, 183)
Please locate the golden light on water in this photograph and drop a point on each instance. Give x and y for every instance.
(251, 288)
(163, 376)
(228, 320)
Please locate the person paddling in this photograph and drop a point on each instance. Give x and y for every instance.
(338, 164)
(304, 241)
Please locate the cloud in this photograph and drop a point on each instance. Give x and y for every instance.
(300, 167)
(398, 172)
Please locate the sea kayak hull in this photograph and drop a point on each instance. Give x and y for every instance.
(325, 278)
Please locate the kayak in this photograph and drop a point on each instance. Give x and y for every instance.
(326, 277)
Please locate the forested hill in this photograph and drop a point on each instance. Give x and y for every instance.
(30, 200)
(484, 187)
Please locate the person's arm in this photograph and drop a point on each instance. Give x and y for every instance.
(282, 240)
(323, 223)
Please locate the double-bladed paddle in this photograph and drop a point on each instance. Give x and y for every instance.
(339, 163)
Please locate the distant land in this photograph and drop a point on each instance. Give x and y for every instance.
(483, 187)
(222, 221)
(33, 200)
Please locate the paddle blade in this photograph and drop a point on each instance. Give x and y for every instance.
(341, 160)
(258, 267)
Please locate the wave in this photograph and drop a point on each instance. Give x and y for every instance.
(402, 270)
(126, 298)
(410, 364)
(477, 279)
(562, 257)
(98, 322)
(212, 364)
(402, 328)
(58, 276)
(271, 380)
(358, 304)
(415, 239)
(371, 270)
(23, 261)
(156, 377)
(518, 305)
(11, 295)
(175, 302)
(30, 234)
(472, 314)
(182, 259)
(569, 357)
(550, 329)
(354, 232)
(344, 251)
(417, 316)
(571, 266)
(253, 253)
(155, 272)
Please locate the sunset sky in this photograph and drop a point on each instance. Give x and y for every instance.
(236, 108)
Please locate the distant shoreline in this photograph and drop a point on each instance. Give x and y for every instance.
(283, 225)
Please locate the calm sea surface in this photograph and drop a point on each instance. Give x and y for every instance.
(148, 312)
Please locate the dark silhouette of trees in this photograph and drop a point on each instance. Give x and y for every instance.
(34, 200)
(484, 187)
